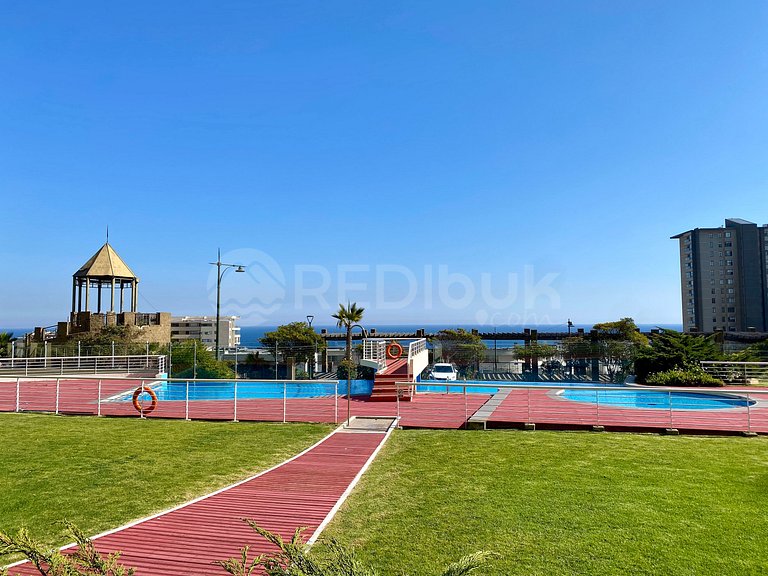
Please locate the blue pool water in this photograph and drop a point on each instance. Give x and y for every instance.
(250, 390)
(657, 400)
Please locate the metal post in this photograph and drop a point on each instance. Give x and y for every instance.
(57, 395)
(235, 362)
(669, 399)
(194, 361)
(98, 402)
(234, 419)
(597, 406)
(18, 394)
(45, 354)
(61, 366)
(336, 403)
(13, 352)
(113, 354)
(285, 399)
(528, 400)
(349, 399)
(275, 359)
(141, 413)
(147, 354)
(397, 399)
(749, 416)
(186, 403)
(466, 408)
(78, 354)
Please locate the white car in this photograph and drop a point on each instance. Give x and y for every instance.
(444, 371)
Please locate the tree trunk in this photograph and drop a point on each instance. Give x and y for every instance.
(348, 355)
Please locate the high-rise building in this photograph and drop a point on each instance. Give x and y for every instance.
(724, 274)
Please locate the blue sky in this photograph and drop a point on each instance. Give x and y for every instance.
(400, 154)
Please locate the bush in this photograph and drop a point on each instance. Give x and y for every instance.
(694, 376)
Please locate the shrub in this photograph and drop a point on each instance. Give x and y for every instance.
(693, 376)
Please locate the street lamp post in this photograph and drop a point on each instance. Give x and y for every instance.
(221, 268)
(310, 317)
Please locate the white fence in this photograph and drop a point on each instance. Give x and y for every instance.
(738, 372)
(61, 365)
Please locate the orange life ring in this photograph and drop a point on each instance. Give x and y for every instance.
(138, 405)
(394, 351)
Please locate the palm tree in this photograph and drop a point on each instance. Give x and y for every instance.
(347, 317)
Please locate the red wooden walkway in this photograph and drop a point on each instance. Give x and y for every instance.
(300, 492)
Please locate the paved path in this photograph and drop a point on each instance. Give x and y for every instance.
(303, 491)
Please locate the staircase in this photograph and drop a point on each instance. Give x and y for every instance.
(384, 382)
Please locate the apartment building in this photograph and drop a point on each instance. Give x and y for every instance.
(203, 328)
(724, 277)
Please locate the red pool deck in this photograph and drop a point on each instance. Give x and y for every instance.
(448, 411)
(301, 492)
(546, 408)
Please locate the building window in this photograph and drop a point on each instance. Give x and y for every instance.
(727, 234)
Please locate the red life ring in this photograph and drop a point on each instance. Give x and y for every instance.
(394, 351)
(138, 405)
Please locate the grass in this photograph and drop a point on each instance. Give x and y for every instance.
(557, 503)
(103, 472)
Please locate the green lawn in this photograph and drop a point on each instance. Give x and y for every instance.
(102, 472)
(563, 503)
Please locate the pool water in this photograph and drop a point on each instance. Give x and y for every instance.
(657, 400)
(252, 390)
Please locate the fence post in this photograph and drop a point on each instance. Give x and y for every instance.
(141, 412)
(397, 398)
(98, 404)
(336, 403)
(669, 399)
(749, 415)
(466, 408)
(57, 395)
(113, 354)
(186, 403)
(18, 394)
(528, 402)
(597, 406)
(235, 415)
(78, 354)
(285, 399)
(147, 358)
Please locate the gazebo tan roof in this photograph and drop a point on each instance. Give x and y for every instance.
(105, 264)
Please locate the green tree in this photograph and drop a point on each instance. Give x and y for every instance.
(465, 349)
(346, 317)
(295, 340)
(191, 359)
(757, 352)
(623, 329)
(5, 343)
(673, 350)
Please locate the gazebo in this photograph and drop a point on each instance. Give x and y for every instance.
(104, 269)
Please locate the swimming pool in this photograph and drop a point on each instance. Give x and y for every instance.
(252, 390)
(657, 400)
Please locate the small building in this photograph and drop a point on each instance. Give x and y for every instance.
(92, 310)
(203, 328)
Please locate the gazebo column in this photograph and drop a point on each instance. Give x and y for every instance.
(122, 285)
(87, 294)
(74, 292)
(135, 296)
(112, 297)
(98, 298)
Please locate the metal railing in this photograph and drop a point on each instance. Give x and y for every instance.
(418, 357)
(254, 400)
(496, 405)
(62, 365)
(375, 350)
(438, 405)
(737, 372)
